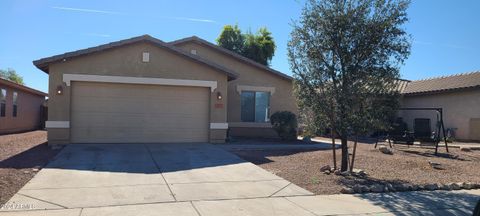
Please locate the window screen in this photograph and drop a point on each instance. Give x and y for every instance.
(255, 106)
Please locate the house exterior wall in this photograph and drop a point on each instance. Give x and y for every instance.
(127, 61)
(28, 111)
(460, 109)
(282, 99)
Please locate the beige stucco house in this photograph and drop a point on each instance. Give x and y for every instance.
(144, 90)
(20, 107)
(457, 95)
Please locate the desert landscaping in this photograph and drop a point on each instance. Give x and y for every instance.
(407, 168)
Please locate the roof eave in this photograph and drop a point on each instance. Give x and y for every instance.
(235, 55)
(43, 64)
(440, 91)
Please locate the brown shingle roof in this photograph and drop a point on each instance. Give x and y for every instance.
(446, 83)
(43, 63)
(230, 53)
(22, 87)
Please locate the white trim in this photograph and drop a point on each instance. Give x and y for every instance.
(67, 78)
(218, 125)
(57, 124)
(250, 124)
(241, 88)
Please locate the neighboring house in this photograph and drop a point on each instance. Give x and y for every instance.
(458, 96)
(20, 107)
(144, 90)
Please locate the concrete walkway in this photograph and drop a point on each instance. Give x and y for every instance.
(197, 179)
(438, 203)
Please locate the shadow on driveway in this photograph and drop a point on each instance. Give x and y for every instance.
(458, 203)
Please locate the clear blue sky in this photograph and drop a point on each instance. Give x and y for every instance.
(445, 32)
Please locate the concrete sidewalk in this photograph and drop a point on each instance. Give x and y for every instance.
(403, 203)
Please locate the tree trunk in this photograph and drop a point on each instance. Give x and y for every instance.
(354, 152)
(344, 154)
(332, 134)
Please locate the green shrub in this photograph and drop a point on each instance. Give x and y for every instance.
(285, 124)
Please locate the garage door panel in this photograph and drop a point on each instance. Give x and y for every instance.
(138, 107)
(124, 135)
(138, 120)
(124, 113)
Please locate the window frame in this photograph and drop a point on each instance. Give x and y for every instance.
(3, 102)
(15, 104)
(243, 119)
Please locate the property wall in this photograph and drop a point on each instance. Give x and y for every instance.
(28, 111)
(127, 61)
(281, 100)
(459, 108)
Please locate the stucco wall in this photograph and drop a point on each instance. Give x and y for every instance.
(281, 100)
(28, 111)
(127, 61)
(458, 109)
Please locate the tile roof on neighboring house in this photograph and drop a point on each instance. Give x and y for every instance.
(43, 63)
(442, 84)
(21, 87)
(232, 54)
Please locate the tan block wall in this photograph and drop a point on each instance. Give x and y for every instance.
(127, 61)
(28, 111)
(458, 109)
(282, 100)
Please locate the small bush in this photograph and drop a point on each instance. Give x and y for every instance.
(285, 124)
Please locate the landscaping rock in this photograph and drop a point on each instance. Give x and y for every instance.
(327, 172)
(456, 186)
(435, 165)
(337, 172)
(385, 150)
(365, 189)
(414, 187)
(444, 187)
(465, 149)
(357, 188)
(431, 187)
(475, 185)
(359, 172)
(345, 173)
(325, 168)
(377, 188)
(347, 190)
(401, 187)
(467, 185)
(390, 187)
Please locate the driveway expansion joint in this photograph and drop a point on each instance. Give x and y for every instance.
(161, 173)
(43, 200)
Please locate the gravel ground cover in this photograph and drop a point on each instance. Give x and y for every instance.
(411, 165)
(22, 155)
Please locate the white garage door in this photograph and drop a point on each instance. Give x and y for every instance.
(128, 113)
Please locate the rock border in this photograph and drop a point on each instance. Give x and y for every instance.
(385, 188)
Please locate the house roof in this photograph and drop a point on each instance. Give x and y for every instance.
(44, 63)
(442, 84)
(21, 87)
(232, 54)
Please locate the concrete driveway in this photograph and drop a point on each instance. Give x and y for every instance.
(102, 175)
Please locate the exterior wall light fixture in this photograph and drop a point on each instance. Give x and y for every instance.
(59, 90)
(219, 96)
